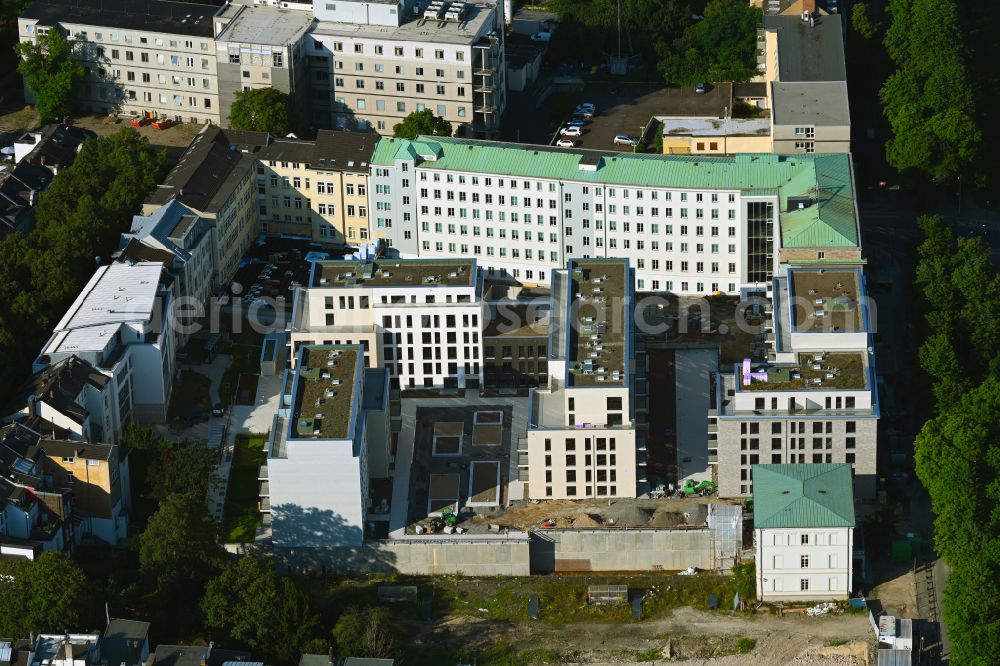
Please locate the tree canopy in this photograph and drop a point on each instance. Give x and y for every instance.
(721, 47)
(253, 604)
(928, 99)
(863, 22)
(421, 122)
(957, 453)
(44, 595)
(51, 73)
(79, 217)
(261, 110)
(365, 633)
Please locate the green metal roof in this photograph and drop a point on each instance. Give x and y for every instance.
(817, 495)
(826, 178)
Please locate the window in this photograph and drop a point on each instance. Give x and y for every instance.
(804, 584)
(804, 539)
(70, 478)
(69, 460)
(804, 561)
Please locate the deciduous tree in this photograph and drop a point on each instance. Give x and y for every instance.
(44, 595)
(260, 110)
(51, 73)
(721, 47)
(421, 122)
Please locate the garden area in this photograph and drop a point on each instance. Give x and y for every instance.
(239, 384)
(241, 514)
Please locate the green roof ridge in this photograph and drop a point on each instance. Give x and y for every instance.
(803, 495)
(831, 222)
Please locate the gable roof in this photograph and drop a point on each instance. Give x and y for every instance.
(803, 495)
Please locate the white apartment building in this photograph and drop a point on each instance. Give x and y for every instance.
(419, 319)
(803, 532)
(139, 57)
(118, 325)
(317, 477)
(815, 400)
(581, 427)
(691, 226)
(389, 58)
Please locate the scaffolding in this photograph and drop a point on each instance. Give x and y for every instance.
(726, 524)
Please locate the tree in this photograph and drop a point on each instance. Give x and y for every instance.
(862, 21)
(51, 73)
(721, 47)
(927, 100)
(421, 122)
(254, 605)
(260, 110)
(365, 633)
(178, 555)
(958, 461)
(44, 595)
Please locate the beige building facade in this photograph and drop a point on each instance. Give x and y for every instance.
(159, 61)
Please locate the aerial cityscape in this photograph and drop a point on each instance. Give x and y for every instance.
(499, 333)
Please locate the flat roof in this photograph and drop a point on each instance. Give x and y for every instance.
(599, 318)
(832, 222)
(716, 127)
(819, 103)
(263, 25)
(517, 320)
(395, 273)
(825, 300)
(467, 31)
(325, 381)
(809, 52)
(803, 495)
(820, 371)
(116, 293)
(182, 18)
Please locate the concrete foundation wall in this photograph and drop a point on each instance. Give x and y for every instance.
(620, 550)
(416, 557)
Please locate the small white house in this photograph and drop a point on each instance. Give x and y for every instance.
(804, 531)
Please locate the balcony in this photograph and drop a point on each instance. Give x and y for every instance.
(265, 489)
(265, 505)
(485, 109)
(262, 474)
(713, 427)
(522, 460)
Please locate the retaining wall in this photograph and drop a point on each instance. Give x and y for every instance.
(620, 550)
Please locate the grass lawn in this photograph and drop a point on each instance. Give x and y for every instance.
(190, 398)
(241, 515)
(245, 350)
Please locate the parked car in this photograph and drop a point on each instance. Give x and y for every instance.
(576, 123)
(566, 143)
(586, 107)
(700, 88)
(583, 114)
(543, 36)
(571, 131)
(626, 140)
(218, 409)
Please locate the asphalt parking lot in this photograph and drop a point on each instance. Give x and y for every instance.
(626, 108)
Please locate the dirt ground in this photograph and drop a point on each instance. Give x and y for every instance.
(791, 640)
(595, 513)
(899, 595)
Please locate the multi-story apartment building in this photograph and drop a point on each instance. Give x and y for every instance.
(99, 479)
(806, 73)
(815, 400)
(179, 238)
(515, 345)
(216, 179)
(118, 324)
(581, 426)
(263, 47)
(419, 319)
(690, 225)
(317, 462)
(803, 532)
(139, 56)
(73, 396)
(393, 57)
(316, 189)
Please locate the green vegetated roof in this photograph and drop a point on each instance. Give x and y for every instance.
(825, 178)
(805, 495)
